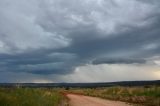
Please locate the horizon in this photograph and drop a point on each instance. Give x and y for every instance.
(49, 41)
(75, 82)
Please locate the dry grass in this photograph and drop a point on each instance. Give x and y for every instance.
(30, 97)
(148, 96)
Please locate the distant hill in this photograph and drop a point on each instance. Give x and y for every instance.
(82, 85)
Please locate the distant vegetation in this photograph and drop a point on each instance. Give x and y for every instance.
(146, 95)
(81, 85)
(30, 97)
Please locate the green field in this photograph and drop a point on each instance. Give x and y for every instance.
(30, 97)
(147, 95)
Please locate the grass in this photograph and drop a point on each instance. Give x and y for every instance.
(147, 95)
(30, 97)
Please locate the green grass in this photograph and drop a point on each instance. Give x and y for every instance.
(30, 97)
(148, 96)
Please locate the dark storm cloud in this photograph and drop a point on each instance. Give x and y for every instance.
(140, 42)
(47, 63)
(118, 61)
(55, 37)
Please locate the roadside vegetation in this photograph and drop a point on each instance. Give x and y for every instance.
(146, 96)
(31, 97)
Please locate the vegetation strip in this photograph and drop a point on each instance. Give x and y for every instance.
(30, 97)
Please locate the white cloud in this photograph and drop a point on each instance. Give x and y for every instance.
(19, 29)
(107, 16)
(112, 17)
(29, 25)
(115, 72)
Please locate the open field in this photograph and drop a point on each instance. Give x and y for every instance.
(30, 97)
(147, 95)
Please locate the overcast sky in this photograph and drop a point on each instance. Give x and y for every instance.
(79, 40)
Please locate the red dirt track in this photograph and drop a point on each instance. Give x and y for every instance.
(80, 100)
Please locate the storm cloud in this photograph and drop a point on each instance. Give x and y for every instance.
(55, 37)
(118, 61)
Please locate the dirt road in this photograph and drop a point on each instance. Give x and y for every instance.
(80, 100)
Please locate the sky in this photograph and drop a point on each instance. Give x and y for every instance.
(51, 41)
